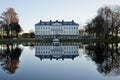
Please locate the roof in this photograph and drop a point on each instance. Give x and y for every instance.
(56, 23)
(57, 57)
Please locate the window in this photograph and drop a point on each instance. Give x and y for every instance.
(69, 27)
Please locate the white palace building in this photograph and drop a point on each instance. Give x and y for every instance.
(53, 29)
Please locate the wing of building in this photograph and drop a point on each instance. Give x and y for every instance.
(53, 29)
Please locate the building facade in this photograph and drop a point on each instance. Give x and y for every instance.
(53, 29)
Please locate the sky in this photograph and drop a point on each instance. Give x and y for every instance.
(31, 12)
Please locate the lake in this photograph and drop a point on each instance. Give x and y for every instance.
(60, 61)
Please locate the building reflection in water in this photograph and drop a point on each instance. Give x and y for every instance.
(9, 57)
(59, 51)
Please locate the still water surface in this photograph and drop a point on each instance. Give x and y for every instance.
(65, 61)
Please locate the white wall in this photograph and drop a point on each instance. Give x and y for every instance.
(57, 29)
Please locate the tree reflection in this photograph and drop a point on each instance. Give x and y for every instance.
(9, 57)
(106, 56)
(30, 45)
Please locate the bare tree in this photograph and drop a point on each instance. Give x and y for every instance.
(10, 18)
(107, 22)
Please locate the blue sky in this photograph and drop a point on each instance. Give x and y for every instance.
(31, 11)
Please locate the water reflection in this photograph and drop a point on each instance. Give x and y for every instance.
(31, 45)
(9, 57)
(106, 56)
(59, 51)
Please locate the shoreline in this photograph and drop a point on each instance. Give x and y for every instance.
(20, 40)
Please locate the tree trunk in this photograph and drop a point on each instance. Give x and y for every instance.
(7, 33)
(116, 32)
(16, 34)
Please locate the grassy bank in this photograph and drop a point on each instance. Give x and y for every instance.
(61, 40)
(23, 40)
(91, 40)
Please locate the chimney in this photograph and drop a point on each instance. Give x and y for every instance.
(50, 22)
(72, 21)
(56, 20)
(62, 21)
(40, 21)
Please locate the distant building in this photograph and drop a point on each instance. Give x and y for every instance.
(53, 29)
(56, 52)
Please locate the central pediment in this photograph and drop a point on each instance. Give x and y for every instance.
(56, 24)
